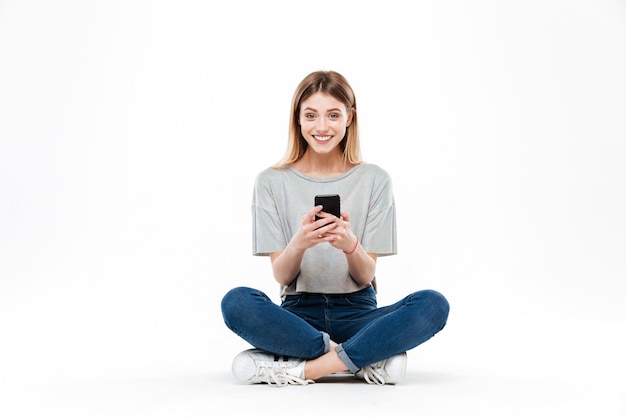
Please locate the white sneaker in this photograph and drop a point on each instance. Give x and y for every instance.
(255, 366)
(387, 371)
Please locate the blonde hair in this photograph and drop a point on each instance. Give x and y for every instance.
(336, 85)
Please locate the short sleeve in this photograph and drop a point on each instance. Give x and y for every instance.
(379, 236)
(267, 229)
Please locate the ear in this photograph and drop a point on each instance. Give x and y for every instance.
(350, 116)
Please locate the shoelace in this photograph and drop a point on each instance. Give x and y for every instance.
(277, 376)
(373, 374)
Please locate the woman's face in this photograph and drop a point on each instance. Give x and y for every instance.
(323, 121)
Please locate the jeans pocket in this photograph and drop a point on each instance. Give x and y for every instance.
(365, 301)
(291, 301)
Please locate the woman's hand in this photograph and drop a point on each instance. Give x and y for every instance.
(286, 264)
(341, 235)
(361, 265)
(328, 228)
(313, 231)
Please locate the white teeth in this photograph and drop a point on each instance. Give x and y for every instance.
(323, 138)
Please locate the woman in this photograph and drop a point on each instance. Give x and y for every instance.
(328, 320)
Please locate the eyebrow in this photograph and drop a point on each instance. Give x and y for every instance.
(315, 110)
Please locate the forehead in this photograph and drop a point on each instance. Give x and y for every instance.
(322, 101)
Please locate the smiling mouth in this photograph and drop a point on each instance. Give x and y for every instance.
(322, 138)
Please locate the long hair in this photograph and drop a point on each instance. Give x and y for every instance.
(336, 85)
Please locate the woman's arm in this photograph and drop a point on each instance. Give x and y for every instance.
(361, 265)
(286, 264)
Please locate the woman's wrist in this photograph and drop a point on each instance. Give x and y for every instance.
(356, 244)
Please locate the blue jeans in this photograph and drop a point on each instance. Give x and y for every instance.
(303, 325)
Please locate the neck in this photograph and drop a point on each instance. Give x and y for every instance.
(322, 166)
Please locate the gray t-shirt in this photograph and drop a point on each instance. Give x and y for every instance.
(283, 195)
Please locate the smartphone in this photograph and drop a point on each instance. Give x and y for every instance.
(330, 202)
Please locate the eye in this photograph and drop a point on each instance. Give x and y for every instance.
(333, 116)
(309, 116)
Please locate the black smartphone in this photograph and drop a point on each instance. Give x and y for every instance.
(331, 204)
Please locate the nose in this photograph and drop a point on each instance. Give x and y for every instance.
(322, 124)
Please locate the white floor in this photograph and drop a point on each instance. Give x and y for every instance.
(64, 359)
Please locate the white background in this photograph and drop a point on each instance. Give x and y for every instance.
(130, 135)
